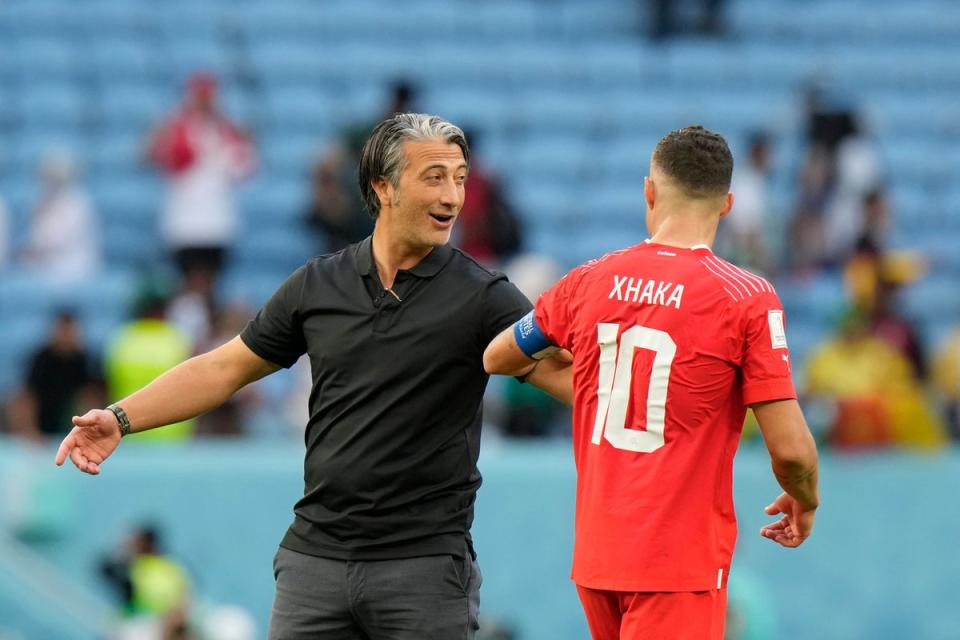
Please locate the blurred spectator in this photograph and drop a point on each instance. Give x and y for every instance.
(857, 171)
(141, 350)
(150, 586)
(192, 308)
(841, 166)
(403, 99)
(874, 220)
(228, 418)
(335, 211)
(874, 280)
(669, 18)
(60, 378)
(743, 237)
(946, 378)
(228, 622)
(806, 228)
(874, 397)
(63, 242)
(488, 227)
(203, 155)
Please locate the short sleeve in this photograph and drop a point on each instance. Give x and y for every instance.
(275, 333)
(503, 304)
(766, 357)
(553, 311)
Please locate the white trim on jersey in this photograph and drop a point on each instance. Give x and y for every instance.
(740, 277)
(738, 296)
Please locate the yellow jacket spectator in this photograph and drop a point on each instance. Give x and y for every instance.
(139, 352)
(946, 378)
(878, 398)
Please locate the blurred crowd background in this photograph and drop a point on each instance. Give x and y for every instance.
(164, 166)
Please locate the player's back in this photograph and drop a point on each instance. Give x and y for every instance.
(658, 335)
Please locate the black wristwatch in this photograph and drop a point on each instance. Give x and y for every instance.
(121, 418)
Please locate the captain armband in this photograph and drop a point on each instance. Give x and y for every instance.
(531, 339)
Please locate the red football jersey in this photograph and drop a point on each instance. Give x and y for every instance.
(670, 346)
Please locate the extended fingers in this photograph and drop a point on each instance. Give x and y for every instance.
(65, 447)
(81, 462)
(783, 533)
(791, 541)
(779, 524)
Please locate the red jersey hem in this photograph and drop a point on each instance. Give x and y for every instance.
(634, 586)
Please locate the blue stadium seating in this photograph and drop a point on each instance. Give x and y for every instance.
(567, 98)
(566, 122)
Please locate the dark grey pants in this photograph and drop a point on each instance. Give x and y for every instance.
(423, 598)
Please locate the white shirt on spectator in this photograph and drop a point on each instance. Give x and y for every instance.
(63, 241)
(199, 210)
(749, 187)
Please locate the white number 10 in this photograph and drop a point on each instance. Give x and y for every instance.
(613, 390)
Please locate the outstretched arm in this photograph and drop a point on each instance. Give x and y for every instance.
(793, 455)
(554, 375)
(189, 389)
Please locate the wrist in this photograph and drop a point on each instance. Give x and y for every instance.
(526, 374)
(123, 421)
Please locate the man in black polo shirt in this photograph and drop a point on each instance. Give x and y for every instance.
(395, 328)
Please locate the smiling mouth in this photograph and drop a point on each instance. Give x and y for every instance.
(441, 218)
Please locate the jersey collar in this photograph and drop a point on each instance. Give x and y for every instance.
(430, 266)
(693, 248)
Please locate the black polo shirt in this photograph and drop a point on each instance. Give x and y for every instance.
(395, 410)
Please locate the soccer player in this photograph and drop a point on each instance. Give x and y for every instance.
(670, 345)
(395, 327)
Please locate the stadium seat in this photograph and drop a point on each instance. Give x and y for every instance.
(272, 199)
(134, 105)
(124, 58)
(309, 108)
(51, 103)
(52, 59)
(250, 287)
(933, 299)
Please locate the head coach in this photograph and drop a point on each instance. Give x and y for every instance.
(395, 327)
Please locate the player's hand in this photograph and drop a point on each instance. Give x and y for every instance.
(94, 437)
(794, 527)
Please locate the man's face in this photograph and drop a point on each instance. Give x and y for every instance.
(430, 195)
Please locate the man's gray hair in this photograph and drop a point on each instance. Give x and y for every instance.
(383, 155)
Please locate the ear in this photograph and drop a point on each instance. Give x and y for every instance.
(384, 190)
(727, 205)
(649, 191)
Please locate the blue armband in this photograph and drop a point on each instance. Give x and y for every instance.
(531, 340)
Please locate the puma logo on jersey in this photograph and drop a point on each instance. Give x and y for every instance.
(640, 291)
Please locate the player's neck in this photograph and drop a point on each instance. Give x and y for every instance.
(686, 230)
(390, 254)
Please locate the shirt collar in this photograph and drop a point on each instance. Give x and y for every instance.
(428, 267)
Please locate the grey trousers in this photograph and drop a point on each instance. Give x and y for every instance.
(423, 598)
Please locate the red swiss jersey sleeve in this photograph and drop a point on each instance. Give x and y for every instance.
(552, 311)
(765, 360)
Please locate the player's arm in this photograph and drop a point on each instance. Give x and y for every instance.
(522, 350)
(793, 454)
(187, 390)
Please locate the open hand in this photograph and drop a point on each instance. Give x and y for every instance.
(94, 437)
(795, 525)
